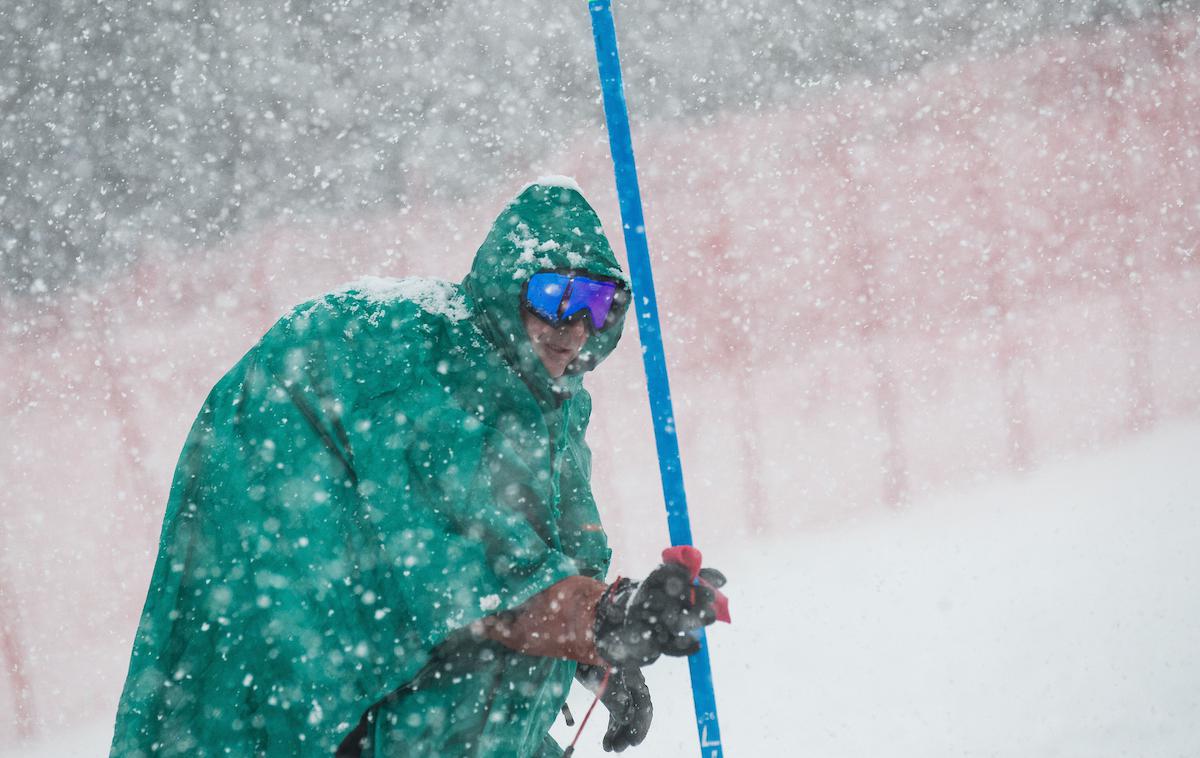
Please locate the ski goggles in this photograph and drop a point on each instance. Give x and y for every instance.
(558, 298)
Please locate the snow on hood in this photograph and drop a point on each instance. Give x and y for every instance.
(555, 180)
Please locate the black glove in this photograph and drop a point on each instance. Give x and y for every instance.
(636, 623)
(628, 702)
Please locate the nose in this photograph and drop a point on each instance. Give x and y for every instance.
(576, 331)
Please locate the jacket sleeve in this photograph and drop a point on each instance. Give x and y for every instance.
(457, 551)
(434, 546)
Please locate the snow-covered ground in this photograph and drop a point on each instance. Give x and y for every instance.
(1052, 615)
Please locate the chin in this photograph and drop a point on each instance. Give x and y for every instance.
(558, 366)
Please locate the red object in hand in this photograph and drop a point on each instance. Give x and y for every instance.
(690, 558)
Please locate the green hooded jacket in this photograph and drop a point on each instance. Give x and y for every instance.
(389, 464)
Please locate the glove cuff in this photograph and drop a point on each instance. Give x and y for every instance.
(611, 608)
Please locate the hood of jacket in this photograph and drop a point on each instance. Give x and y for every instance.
(548, 226)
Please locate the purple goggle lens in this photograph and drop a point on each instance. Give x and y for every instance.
(558, 298)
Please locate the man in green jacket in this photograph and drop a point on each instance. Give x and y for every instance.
(381, 538)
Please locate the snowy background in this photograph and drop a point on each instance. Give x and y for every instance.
(931, 289)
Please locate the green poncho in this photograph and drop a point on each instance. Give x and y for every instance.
(387, 465)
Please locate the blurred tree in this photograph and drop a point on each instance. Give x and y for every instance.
(863, 255)
(182, 120)
(12, 652)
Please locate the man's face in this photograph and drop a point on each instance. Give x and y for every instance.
(557, 346)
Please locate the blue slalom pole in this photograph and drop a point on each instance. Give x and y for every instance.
(646, 305)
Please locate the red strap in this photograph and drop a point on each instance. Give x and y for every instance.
(603, 684)
(690, 558)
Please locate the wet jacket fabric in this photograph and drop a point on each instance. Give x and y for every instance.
(388, 464)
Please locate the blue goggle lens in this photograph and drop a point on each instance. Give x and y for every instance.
(558, 298)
